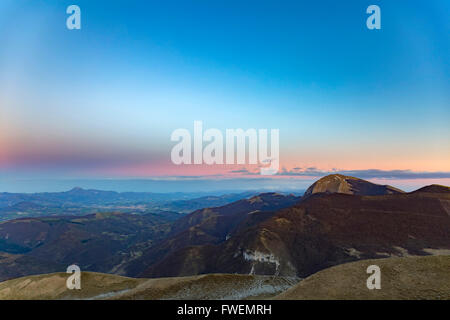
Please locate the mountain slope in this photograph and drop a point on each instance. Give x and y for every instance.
(417, 278)
(98, 242)
(208, 227)
(98, 286)
(53, 286)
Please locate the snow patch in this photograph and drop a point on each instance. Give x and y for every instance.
(353, 252)
(259, 288)
(108, 295)
(238, 290)
(262, 257)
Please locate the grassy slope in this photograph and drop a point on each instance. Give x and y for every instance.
(53, 286)
(105, 286)
(401, 278)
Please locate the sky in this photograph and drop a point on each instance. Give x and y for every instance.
(101, 102)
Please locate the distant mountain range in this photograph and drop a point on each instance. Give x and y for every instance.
(79, 201)
(339, 219)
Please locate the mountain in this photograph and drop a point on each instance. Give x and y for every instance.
(86, 197)
(320, 230)
(208, 226)
(100, 286)
(80, 196)
(411, 278)
(337, 183)
(97, 242)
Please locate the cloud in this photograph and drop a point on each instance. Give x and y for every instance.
(246, 172)
(367, 174)
(240, 171)
(363, 174)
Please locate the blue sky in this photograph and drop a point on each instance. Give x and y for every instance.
(93, 102)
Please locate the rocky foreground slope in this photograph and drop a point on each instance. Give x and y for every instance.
(401, 278)
(98, 286)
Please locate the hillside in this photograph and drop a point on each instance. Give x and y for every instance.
(405, 278)
(417, 278)
(98, 242)
(208, 226)
(53, 286)
(105, 286)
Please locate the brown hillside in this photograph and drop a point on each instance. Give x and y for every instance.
(411, 278)
(99, 286)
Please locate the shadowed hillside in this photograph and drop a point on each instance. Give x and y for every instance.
(98, 242)
(207, 227)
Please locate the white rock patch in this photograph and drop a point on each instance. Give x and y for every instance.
(259, 256)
